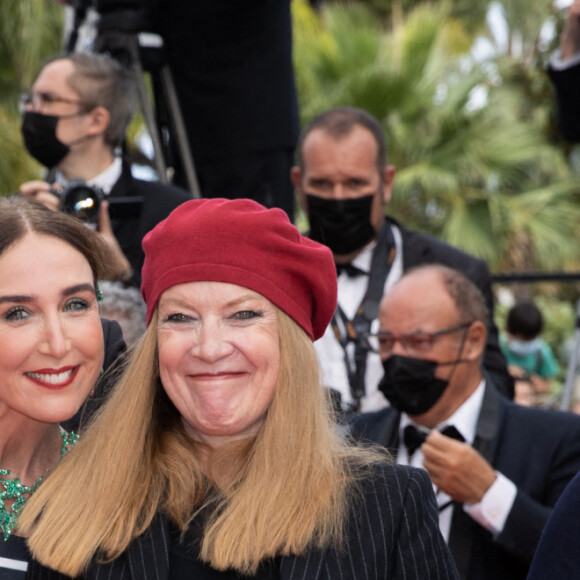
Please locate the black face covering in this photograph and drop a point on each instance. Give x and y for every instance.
(344, 225)
(39, 133)
(410, 384)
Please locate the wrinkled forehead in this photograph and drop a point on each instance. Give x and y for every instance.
(358, 140)
(417, 302)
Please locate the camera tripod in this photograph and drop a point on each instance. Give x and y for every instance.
(144, 52)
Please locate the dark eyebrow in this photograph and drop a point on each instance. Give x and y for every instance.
(79, 288)
(17, 299)
(23, 299)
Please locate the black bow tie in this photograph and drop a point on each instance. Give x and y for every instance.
(414, 438)
(351, 271)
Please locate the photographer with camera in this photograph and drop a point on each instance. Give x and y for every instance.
(74, 122)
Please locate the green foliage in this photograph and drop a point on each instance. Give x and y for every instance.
(474, 165)
(30, 31)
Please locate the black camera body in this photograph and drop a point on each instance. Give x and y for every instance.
(81, 200)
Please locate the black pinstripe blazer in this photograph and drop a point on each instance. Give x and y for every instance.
(393, 534)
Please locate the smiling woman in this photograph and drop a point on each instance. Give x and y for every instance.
(51, 350)
(218, 444)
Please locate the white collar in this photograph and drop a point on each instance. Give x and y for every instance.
(464, 419)
(104, 180)
(364, 259)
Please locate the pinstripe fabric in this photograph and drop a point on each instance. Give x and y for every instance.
(393, 534)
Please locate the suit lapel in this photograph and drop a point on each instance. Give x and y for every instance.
(463, 527)
(389, 435)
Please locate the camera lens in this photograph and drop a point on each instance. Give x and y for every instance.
(83, 202)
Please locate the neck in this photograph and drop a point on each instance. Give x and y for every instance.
(90, 160)
(28, 448)
(460, 388)
(348, 258)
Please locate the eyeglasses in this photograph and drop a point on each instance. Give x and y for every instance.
(383, 342)
(38, 101)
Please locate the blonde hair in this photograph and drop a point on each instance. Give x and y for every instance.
(283, 492)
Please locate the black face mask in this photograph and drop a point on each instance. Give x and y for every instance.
(344, 225)
(39, 133)
(410, 384)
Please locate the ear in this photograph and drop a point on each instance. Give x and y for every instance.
(296, 178)
(475, 341)
(388, 177)
(99, 121)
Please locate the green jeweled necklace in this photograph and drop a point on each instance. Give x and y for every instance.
(13, 489)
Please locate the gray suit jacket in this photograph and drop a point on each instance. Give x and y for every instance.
(393, 534)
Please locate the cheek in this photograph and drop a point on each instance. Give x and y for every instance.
(87, 336)
(17, 345)
(171, 352)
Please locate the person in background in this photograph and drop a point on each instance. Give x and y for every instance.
(344, 183)
(498, 468)
(234, 84)
(217, 455)
(530, 358)
(234, 75)
(51, 351)
(564, 71)
(74, 122)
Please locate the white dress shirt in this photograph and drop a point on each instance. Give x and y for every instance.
(351, 291)
(559, 63)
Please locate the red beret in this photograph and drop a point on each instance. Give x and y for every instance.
(241, 242)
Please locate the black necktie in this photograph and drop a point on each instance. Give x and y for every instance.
(414, 438)
(351, 271)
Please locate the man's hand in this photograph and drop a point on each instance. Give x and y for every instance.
(121, 267)
(456, 468)
(570, 37)
(41, 191)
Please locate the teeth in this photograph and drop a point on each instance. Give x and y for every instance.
(52, 379)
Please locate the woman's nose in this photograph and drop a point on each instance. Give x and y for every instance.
(212, 343)
(55, 340)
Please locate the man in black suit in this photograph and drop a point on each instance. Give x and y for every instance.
(564, 70)
(74, 121)
(232, 66)
(344, 183)
(498, 468)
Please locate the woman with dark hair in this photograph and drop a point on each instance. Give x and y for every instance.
(51, 350)
(217, 454)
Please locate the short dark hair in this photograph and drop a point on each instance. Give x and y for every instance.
(20, 216)
(102, 81)
(339, 123)
(525, 319)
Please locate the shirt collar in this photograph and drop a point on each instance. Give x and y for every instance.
(364, 259)
(104, 180)
(464, 419)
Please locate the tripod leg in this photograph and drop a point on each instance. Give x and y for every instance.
(147, 110)
(572, 366)
(179, 129)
